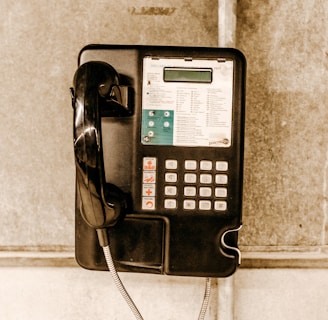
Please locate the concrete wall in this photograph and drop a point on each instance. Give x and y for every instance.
(40, 41)
(285, 207)
(285, 43)
(77, 294)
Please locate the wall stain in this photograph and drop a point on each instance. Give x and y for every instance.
(152, 11)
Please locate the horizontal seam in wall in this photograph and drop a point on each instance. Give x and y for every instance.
(37, 259)
(249, 259)
(304, 260)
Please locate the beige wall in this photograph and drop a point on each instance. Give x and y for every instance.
(286, 157)
(285, 43)
(40, 41)
(286, 126)
(77, 294)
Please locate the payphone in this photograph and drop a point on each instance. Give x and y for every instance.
(158, 140)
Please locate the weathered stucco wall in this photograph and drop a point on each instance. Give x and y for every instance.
(286, 157)
(285, 43)
(40, 41)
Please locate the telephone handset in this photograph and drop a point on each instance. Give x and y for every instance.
(159, 152)
(102, 203)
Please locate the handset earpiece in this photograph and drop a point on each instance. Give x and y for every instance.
(102, 203)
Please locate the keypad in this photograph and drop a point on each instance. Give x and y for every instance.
(200, 185)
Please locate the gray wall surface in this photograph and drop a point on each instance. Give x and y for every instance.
(286, 157)
(40, 42)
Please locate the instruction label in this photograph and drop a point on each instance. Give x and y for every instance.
(187, 102)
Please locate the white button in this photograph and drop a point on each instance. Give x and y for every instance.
(190, 191)
(205, 192)
(148, 190)
(170, 190)
(220, 205)
(205, 205)
(148, 203)
(170, 203)
(171, 164)
(221, 165)
(190, 178)
(206, 178)
(221, 179)
(149, 177)
(190, 164)
(205, 165)
(149, 163)
(189, 204)
(171, 177)
(221, 192)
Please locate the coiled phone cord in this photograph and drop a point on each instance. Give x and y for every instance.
(128, 299)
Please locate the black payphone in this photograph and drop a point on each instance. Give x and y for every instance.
(158, 139)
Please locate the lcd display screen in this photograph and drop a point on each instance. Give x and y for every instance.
(188, 75)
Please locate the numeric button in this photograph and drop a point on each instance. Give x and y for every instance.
(205, 178)
(189, 191)
(205, 165)
(205, 205)
(221, 179)
(220, 205)
(221, 192)
(221, 165)
(171, 177)
(171, 164)
(190, 164)
(170, 190)
(190, 178)
(205, 192)
(189, 204)
(170, 203)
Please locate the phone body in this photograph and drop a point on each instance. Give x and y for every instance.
(177, 158)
